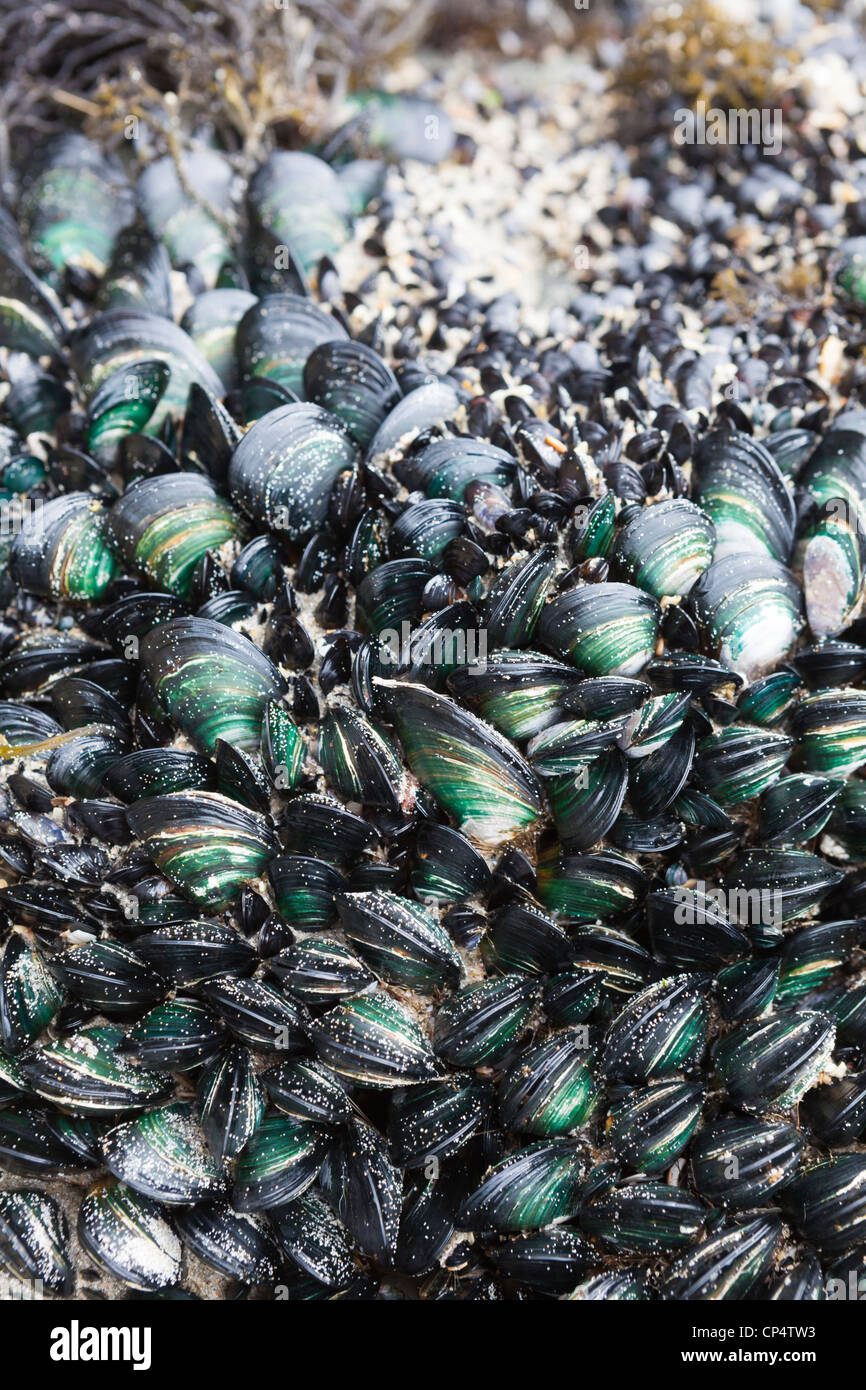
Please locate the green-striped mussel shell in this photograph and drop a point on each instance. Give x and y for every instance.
(434, 1120)
(305, 890)
(585, 887)
(473, 772)
(307, 1090)
(518, 692)
(586, 803)
(30, 994)
(279, 1163)
(282, 471)
(605, 629)
(61, 550)
(666, 546)
(399, 939)
(797, 808)
(811, 954)
(659, 1031)
(445, 866)
(34, 1241)
(652, 1124)
(769, 887)
(741, 1163)
(739, 763)
(124, 403)
(231, 1101)
(771, 1063)
(552, 1089)
(728, 1265)
(480, 1023)
(750, 610)
(830, 728)
(528, 1190)
(372, 1040)
(177, 1035)
(741, 489)
(85, 1073)
(163, 526)
(770, 699)
(827, 1203)
(257, 1014)
(212, 681)
(320, 971)
(359, 759)
(163, 1155)
(206, 845)
(130, 1236)
(515, 599)
(644, 1217)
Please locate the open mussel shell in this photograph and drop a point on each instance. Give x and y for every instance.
(30, 993)
(206, 845)
(238, 1244)
(278, 1164)
(741, 1163)
(740, 487)
(34, 1241)
(552, 1089)
(371, 1040)
(129, 1236)
(827, 1203)
(163, 526)
(661, 1030)
(351, 381)
(284, 468)
(750, 609)
(212, 681)
(650, 1125)
(364, 1188)
(665, 547)
(231, 1101)
(86, 1074)
(772, 1062)
(643, 1217)
(163, 1155)
(435, 1120)
(474, 773)
(480, 1023)
(727, 1265)
(833, 553)
(605, 629)
(528, 1190)
(61, 550)
(399, 939)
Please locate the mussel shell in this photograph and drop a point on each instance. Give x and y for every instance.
(205, 844)
(527, 1190)
(282, 471)
(85, 1073)
(238, 1244)
(741, 1163)
(644, 1217)
(34, 1240)
(163, 1155)
(129, 1236)
(771, 1063)
(727, 1265)
(163, 526)
(481, 1022)
(371, 1040)
(399, 939)
(552, 1089)
(61, 549)
(605, 629)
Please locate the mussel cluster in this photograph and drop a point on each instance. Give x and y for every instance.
(431, 778)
